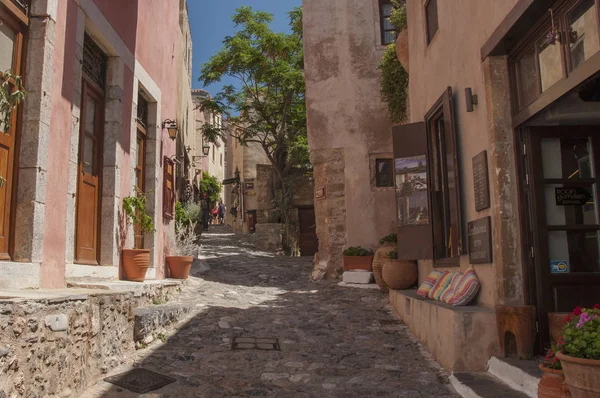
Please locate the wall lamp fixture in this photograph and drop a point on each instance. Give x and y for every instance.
(171, 126)
(471, 99)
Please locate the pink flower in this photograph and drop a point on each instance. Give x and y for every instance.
(583, 319)
(577, 311)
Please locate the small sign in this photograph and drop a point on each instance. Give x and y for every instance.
(320, 193)
(574, 196)
(480, 241)
(559, 267)
(481, 181)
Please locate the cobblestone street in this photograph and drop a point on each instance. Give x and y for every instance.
(334, 341)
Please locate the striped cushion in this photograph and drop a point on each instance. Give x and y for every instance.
(440, 285)
(426, 286)
(448, 294)
(467, 288)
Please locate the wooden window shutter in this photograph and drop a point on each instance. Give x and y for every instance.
(452, 173)
(168, 188)
(415, 240)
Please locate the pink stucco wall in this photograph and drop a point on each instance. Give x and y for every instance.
(123, 18)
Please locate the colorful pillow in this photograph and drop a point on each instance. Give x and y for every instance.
(467, 288)
(440, 285)
(428, 283)
(448, 294)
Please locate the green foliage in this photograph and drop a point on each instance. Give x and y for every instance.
(12, 93)
(394, 85)
(393, 255)
(194, 212)
(181, 216)
(135, 209)
(398, 17)
(357, 251)
(580, 335)
(391, 238)
(211, 185)
(550, 360)
(162, 337)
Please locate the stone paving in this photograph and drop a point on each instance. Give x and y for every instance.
(333, 341)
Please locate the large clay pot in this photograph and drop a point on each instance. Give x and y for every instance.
(582, 376)
(399, 274)
(358, 262)
(135, 264)
(556, 321)
(379, 260)
(402, 48)
(179, 266)
(552, 384)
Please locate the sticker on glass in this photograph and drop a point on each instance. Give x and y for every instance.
(559, 267)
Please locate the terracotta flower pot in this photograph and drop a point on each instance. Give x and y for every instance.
(378, 261)
(552, 384)
(402, 48)
(358, 262)
(179, 266)
(556, 321)
(399, 274)
(135, 264)
(582, 376)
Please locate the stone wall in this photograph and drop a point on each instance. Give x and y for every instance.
(269, 237)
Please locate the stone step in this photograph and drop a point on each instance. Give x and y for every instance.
(362, 277)
(520, 375)
(482, 385)
(149, 321)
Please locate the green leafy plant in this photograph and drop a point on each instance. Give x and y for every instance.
(357, 251)
(183, 241)
(391, 238)
(135, 209)
(162, 337)
(393, 255)
(181, 216)
(12, 93)
(211, 185)
(398, 16)
(580, 336)
(550, 360)
(194, 212)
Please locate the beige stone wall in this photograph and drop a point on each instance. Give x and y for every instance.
(347, 125)
(453, 58)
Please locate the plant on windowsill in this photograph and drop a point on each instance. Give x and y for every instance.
(182, 250)
(357, 258)
(386, 243)
(399, 274)
(12, 93)
(137, 261)
(394, 76)
(579, 352)
(552, 383)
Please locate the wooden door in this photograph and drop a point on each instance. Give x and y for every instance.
(89, 181)
(565, 180)
(308, 241)
(11, 49)
(252, 221)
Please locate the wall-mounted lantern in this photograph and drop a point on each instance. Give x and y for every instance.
(471, 99)
(171, 126)
(205, 149)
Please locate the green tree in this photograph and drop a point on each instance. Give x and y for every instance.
(211, 185)
(268, 105)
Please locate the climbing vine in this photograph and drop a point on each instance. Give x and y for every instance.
(394, 78)
(12, 93)
(135, 209)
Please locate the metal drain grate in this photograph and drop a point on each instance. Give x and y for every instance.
(140, 380)
(253, 343)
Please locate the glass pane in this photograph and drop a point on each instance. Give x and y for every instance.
(569, 205)
(88, 154)
(572, 251)
(7, 47)
(386, 9)
(387, 25)
(583, 32)
(383, 173)
(566, 158)
(528, 78)
(90, 115)
(389, 37)
(551, 69)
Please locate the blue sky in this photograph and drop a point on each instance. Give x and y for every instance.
(211, 22)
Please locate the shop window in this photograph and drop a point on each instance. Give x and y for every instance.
(384, 172)
(431, 18)
(583, 32)
(388, 32)
(168, 188)
(444, 188)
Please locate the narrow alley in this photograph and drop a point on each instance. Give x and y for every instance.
(332, 341)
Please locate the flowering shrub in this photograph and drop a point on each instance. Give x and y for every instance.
(550, 360)
(580, 335)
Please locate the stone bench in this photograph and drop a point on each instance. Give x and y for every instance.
(459, 338)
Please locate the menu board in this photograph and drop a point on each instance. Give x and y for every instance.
(480, 241)
(481, 181)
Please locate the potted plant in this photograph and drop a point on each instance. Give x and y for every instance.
(387, 243)
(399, 274)
(357, 257)
(183, 249)
(579, 354)
(137, 261)
(552, 384)
(194, 214)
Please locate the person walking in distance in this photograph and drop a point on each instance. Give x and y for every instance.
(221, 213)
(205, 206)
